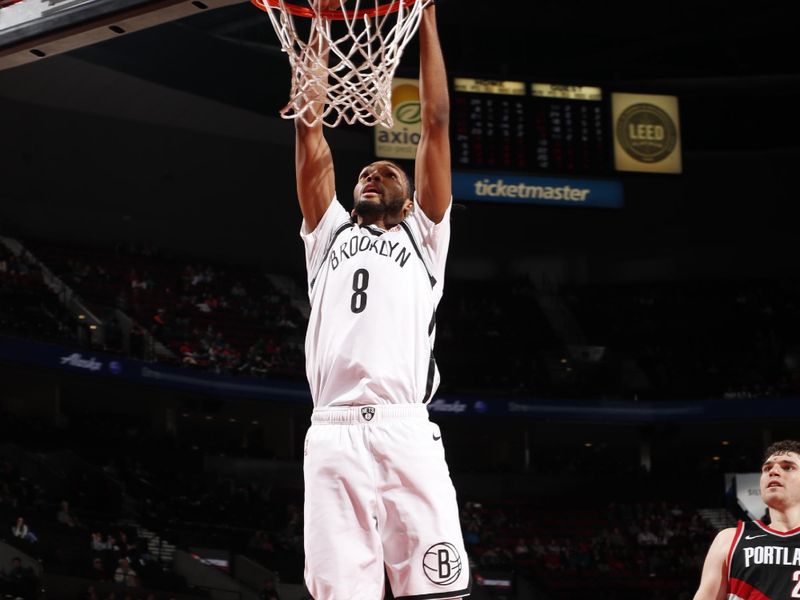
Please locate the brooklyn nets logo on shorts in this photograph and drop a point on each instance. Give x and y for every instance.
(368, 412)
(442, 563)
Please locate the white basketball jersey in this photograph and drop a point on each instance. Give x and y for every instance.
(373, 308)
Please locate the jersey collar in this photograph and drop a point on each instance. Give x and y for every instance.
(769, 529)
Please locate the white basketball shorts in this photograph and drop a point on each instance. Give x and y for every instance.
(378, 496)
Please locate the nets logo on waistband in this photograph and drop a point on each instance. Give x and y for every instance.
(442, 564)
(368, 412)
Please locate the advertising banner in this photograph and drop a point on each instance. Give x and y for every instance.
(400, 142)
(526, 189)
(647, 133)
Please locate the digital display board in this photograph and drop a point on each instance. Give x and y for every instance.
(517, 126)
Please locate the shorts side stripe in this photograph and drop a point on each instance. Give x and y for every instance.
(440, 595)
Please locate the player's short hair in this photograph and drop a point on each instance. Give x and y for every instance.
(782, 447)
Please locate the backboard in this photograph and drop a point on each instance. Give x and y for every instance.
(31, 30)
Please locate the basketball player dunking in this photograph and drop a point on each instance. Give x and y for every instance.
(754, 561)
(378, 495)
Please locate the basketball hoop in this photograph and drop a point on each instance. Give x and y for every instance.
(364, 44)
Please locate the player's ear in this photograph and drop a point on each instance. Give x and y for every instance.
(408, 207)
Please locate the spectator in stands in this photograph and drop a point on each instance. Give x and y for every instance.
(261, 541)
(20, 581)
(521, 550)
(538, 547)
(285, 320)
(91, 593)
(142, 552)
(126, 546)
(269, 591)
(98, 570)
(238, 290)
(205, 305)
(552, 556)
(6, 497)
(160, 319)
(136, 282)
(616, 539)
(98, 545)
(125, 574)
(496, 557)
(583, 556)
(111, 544)
(647, 537)
(22, 532)
(65, 516)
(294, 525)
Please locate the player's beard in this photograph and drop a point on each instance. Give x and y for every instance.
(367, 209)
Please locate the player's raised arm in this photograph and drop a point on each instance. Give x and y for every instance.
(313, 160)
(432, 167)
(714, 580)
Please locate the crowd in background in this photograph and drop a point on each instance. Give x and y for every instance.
(623, 546)
(28, 308)
(626, 545)
(732, 339)
(642, 341)
(111, 494)
(220, 318)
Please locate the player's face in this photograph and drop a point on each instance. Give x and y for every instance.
(780, 481)
(381, 187)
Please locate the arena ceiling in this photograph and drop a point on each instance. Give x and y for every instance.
(220, 73)
(734, 65)
(734, 68)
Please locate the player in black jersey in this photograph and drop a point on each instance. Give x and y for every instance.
(755, 561)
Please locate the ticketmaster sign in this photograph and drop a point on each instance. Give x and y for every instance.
(525, 189)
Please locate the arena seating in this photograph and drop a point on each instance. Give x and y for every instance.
(625, 550)
(28, 308)
(699, 339)
(634, 341)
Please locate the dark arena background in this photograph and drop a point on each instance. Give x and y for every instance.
(610, 372)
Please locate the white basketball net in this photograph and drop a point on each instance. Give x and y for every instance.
(355, 83)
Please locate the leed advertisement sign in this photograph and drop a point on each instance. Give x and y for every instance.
(401, 140)
(647, 133)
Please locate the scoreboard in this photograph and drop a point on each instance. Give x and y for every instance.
(516, 126)
(543, 143)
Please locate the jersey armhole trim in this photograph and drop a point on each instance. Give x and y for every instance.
(736, 537)
(406, 228)
(339, 230)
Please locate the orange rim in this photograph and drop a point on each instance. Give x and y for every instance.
(333, 15)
